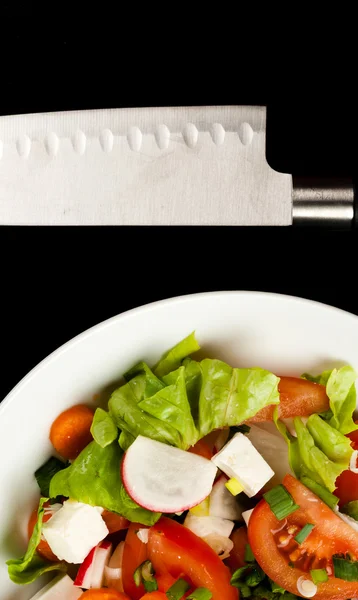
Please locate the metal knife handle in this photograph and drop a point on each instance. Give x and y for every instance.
(323, 202)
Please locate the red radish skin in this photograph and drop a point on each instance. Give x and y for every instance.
(101, 560)
(86, 573)
(127, 474)
(83, 575)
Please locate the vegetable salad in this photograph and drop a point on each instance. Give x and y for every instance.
(201, 480)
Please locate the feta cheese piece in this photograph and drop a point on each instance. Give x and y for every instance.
(240, 459)
(59, 588)
(74, 530)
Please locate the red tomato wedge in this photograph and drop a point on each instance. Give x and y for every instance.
(347, 482)
(134, 554)
(201, 448)
(298, 398)
(330, 536)
(175, 549)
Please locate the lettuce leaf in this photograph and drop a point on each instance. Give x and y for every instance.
(31, 566)
(189, 399)
(333, 443)
(341, 391)
(103, 428)
(171, 405)
(229, 396)
(128, 416)
(172, 359)
(94, 478)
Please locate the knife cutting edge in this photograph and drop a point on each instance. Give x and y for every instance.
(199, 165)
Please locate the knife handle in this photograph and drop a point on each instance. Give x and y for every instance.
(323, 202)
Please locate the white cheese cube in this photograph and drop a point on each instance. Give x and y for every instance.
(240, 459)
(59, 588)
(74, 530)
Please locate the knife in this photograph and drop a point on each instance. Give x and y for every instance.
(195, 165)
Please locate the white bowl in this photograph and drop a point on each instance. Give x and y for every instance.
(285, 334)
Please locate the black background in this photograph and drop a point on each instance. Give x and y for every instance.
(56, 282)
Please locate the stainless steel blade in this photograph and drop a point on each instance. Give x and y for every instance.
(142, 166)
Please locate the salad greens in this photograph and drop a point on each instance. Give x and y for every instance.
(321, 451)
(341, 391)
(190, 400)
(31, 565)
(94, 478)
(45, 473)
(103, 428)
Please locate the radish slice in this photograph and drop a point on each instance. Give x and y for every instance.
(353, 462)
(222, 503)
(84, 574)
(165, 479)
(91, 572)
(101, 560)
(204, 526)
(220, 544)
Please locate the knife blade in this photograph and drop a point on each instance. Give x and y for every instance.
(155, 166)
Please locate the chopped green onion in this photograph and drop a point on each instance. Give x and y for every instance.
(234, 486)
(177, 590)
(351, 509)
(238, 574)
(137, 576)
(249, 555)
(151, 585)
(280, 502)
(276, 589)
(145, 574)
(45, 473)
(345, 569)
(200, 594)
(319, 576)
(305, 531)
(328, 498)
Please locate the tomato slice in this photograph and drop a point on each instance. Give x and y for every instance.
(134, 554)
(330, 536)
(298, 398)
(114, 521)
(175, 549)
(236, 559)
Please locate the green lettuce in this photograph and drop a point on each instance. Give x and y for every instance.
(45, 473)
(229, 396)
(128, 416)
(319, 452)
(94, 478)
(103, 428)
(171, 405)
(31, 566)
(341, 391)
(172, 359)
(181, 400)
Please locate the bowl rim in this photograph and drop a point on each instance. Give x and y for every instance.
(148, 307)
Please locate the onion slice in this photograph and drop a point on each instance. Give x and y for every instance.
(220, 544)
(353, 462)
(306, 587)
(113, 571)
